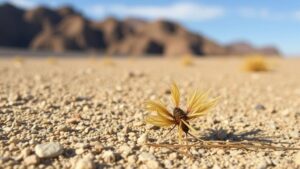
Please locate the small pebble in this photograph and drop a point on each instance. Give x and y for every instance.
(131, 159)
(259, 107)
(31, 160)
(144, 156)
(85, 163)
(48, 150)
(79, 151)
(26, 152)
(108, 156)
(142, 139)
(125, 150)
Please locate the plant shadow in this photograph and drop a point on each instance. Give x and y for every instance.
(221, 134)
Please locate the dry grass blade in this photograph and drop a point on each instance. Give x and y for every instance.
(175, 94)
(158, 121)
(159, 108)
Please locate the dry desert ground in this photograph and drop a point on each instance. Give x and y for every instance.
(89, 113)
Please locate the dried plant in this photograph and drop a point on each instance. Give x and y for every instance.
(198, 105)
(256, 63)
(52, 60)
(187, 60)
(107, 60)
(18, 60)
(243, 145)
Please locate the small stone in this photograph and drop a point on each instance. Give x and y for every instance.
(294, 134)
(152, 164)
(72, 120)
(164, 150)
(297, 158)
(79, 151)
(86, 108)
(142, 139)
(125, 150)
(131, 159)
(63, 128)
(98, 147)
(144, 156)
(168, 91)
(76, 118)
(259, 107)
(262, 164)
(108, 156)
(12, 147)
(82, 145)
(26, 152)
(220, 152)
(173, 156)
(285, 112)
(216, 167)
(168, 164)
(31, 160)
(48, 150)
(118, 88)
(6, 129)
(139, 123)
(84, 163)
(131, 74)
(273, 111)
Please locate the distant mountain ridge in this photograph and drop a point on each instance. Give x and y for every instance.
(65, 29)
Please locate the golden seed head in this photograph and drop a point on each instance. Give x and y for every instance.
(198, 105)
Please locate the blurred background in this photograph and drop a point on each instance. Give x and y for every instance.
(156, 27)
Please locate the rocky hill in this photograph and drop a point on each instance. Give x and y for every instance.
(65, 29)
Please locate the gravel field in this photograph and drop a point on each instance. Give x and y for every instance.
(88, 113)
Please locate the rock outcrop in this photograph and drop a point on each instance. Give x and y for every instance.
(244, 48)
(65, 29)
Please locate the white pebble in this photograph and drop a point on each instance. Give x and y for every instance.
(152, 164)
(26, 152)
(144, 156)
(131, 159)
(125, 150)
(84, 163)
(79, 151)
(142, 139)
(48, 150)
(31, 160)
(108, 156)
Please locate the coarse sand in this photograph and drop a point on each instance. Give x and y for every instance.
(84, 113)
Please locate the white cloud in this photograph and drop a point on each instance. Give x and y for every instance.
(297, 15)
(177, 11)
(267, 14)
(252, 13)
(24, 3)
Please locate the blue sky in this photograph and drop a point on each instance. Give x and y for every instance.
(262, 22)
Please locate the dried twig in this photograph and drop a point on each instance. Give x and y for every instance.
(252, 146)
